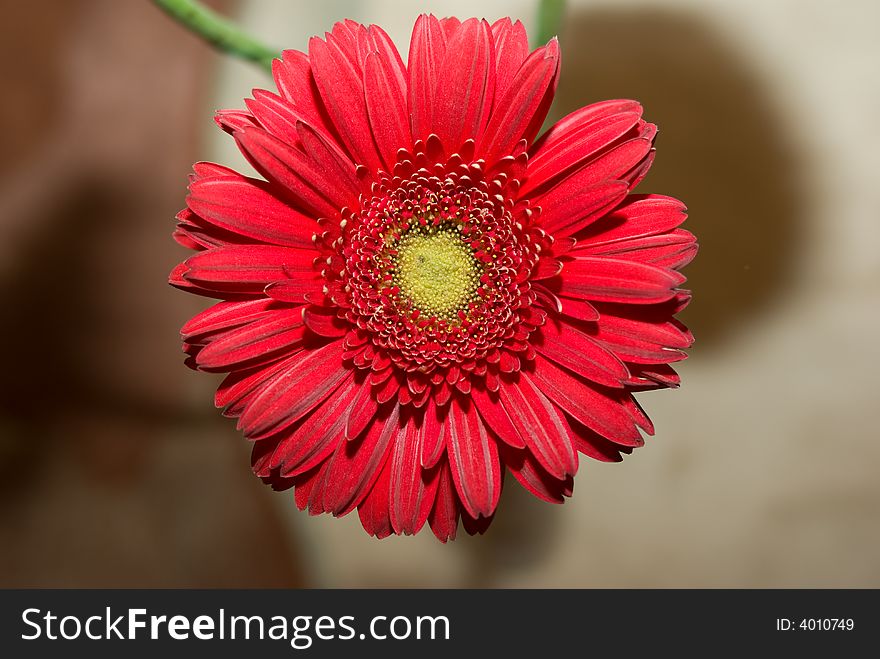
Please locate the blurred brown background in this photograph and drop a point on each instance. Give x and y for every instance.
(115, 470)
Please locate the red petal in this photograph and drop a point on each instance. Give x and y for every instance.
(541, 426)
(444, 516)
(644, 340)
(464, 92)
(524, 106)
(473, 458)
(294, 79)
(511, 50)
(671, 250)
(294, 290)
(316, 438)
(246, 268)
(579, 119)
(321, 187)
(532, 476)
(426, 64)
(232, 121)
(332, 166)
(381, 43)
(604, 279)
(276, 115)
(256, 342)
(567, 209)
(386, 104)
(546, 268)
(598, 411)
(340, 82)
(582, 143)
(305, 485)
(577, 352)
(242, 206)
(653, 376)
(361, 413)
(579, 309)
(412, 488)
(356, 464)
(475, 525)
(223, 316)
(313, 376)
(450, 26)
(593, 445)
(496, 418)
(324, 322)
(375, 510)
(610, 166)
(239, 388)
(185, 239)
(638, 216)
(434, 432)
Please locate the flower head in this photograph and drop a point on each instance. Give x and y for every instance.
(417, 296)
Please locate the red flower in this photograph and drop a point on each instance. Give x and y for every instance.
(419, 296)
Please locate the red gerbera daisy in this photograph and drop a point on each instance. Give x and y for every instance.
(420, 296)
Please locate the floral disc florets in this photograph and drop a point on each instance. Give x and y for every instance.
(436, 269)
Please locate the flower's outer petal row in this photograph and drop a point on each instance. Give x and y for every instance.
(334, 416)
(244, 206)
(354, 466)
(319, 434)
(463, 99)
(534, 478)
(338, 72)
(559, 203)
(567, 346)
(246, 268)
(386, 105)
(320, 180)
(578, 139)
(412, 489)
(541, 425)
(427, 53)
(473, 457)
(295, 81)
(313, 376)
(256, 343)
(599, 410)
(511, 50)
(445, 513)
(521, 111)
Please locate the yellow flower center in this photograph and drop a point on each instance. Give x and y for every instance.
(436, 270)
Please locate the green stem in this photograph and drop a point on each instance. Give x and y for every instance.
(217, 31)
(550, 13)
